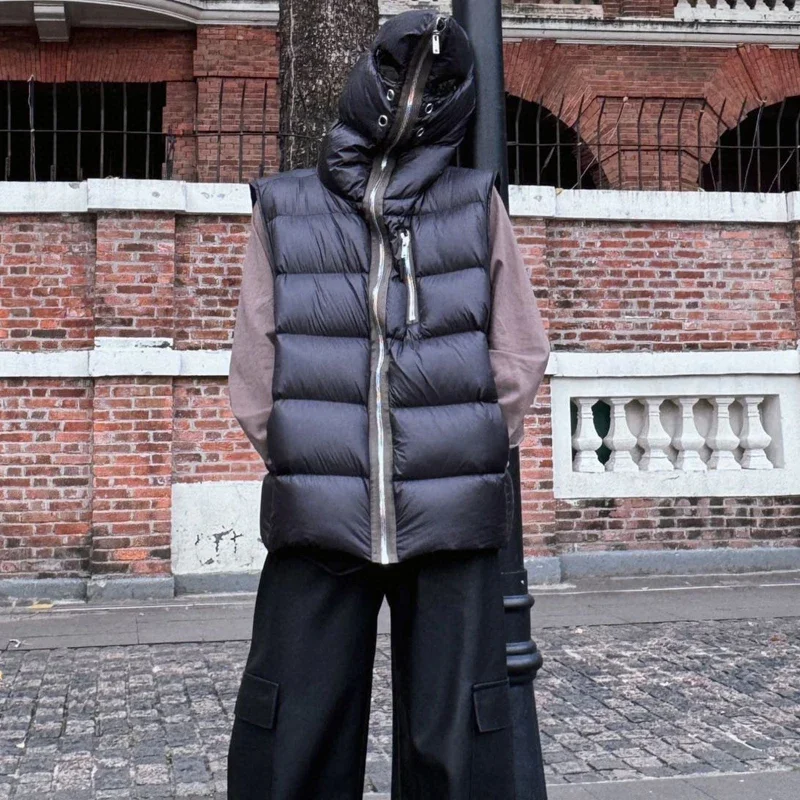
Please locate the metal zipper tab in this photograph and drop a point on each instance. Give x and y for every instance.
(435, 41)
(412, 312)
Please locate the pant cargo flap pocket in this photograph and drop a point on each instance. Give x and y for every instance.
(492, 705)
(257, 701)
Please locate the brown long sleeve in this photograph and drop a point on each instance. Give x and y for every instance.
(253, 352)
(518, 342)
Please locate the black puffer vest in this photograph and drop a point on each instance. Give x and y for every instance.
(386, 439)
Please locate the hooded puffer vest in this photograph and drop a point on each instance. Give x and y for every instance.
(386, 439)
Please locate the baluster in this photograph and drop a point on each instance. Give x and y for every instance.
(753, 437)
(586, 439)
(653, 439)
(721, 439)
(619, 440)
(688, 441)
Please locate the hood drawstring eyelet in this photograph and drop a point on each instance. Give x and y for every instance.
(382, 120)
(429, 108)
(390, 95)
(420, 131)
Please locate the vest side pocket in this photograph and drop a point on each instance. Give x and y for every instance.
(492, 763)
(266, 510)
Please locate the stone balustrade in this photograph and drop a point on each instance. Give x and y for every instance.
(736, 10)
(667, 434)
(636, 426)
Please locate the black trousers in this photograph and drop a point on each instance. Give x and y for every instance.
(302, 711)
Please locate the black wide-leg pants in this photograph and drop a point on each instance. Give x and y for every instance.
(302, 712)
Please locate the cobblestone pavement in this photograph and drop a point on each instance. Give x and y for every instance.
(615, 702)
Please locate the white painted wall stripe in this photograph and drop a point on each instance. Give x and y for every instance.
(111, 362)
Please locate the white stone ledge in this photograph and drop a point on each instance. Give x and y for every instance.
(180, 197)
(55, 197)
(748, 362)
(124, 360)
(653, 32)
(653, 206)
(115, 194)
(123, 356)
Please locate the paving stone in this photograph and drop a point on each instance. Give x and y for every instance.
(615, 703)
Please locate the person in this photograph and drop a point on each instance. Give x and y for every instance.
(387, 346)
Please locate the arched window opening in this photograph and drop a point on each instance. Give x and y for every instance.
(543, 151)
(761, 153)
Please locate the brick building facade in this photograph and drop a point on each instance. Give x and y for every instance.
(666, 427)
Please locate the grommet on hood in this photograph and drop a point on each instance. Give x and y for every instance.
(372, 93)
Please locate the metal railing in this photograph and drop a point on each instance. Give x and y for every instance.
(69, 131)
(78, 130)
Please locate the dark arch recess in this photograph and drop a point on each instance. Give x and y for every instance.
(761, 153)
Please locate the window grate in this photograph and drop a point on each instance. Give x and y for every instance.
(79, 130)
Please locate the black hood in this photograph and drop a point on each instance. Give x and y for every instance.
(373, 94)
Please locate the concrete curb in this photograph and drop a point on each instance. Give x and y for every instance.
(217, 583)
(542, 571)
(125, 588)
(633, 563)
(637, 563)
(43, 588)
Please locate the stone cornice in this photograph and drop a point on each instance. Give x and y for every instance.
(653, 32)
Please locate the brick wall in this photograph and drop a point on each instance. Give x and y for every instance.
(574, 79)
(94, 54)
(670, 286)
(236, 71)
(89, 466)
(221, 80)
(132, 421)
(208, 253)
(45, 282)
(45, 466)
(656, 287)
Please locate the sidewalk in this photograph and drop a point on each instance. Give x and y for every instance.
(677, 690)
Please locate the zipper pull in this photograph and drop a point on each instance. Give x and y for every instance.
(404, 240)
(435, 36)
(412, 310)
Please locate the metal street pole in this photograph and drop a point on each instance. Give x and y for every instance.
(486, 148)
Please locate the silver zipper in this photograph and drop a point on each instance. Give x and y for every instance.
(384, 544)
(412, 312)
(379, 366)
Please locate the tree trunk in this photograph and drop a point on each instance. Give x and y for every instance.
(320, 41)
